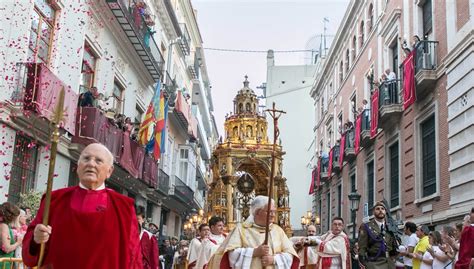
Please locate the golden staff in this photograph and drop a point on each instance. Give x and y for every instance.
(57, 117)
(275, 114)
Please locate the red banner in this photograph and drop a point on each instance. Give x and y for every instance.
(357, 133)
(341, 149)
(330, 162)
(313, 179)
(409, 91)
(374, 114)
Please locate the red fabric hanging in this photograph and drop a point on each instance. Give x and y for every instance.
(341, 149)
(330, 162)
(313, 178)
(358, 126)
(374, 114)
(409, 91)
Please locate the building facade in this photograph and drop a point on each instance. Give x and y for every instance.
(126, 50)
(405, 160)
(289, 87)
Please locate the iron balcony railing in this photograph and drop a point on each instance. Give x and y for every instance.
(182, 191)
(389, 92)
(365, 125)
(185, 39)
(426, 56)
(350, 137)
(130, 14)
(163, 182)
(172, 14)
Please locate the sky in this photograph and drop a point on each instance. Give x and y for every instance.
(257, 25)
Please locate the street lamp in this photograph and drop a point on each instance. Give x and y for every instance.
(354, 198)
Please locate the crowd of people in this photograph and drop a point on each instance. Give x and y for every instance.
(91, 226)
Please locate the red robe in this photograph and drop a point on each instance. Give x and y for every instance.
(149, 247)
(466, 248)
(90, 229)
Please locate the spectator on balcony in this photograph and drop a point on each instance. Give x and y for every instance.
(390, 74)
(409, 48)
(87, 99)
(78, 216)
(350, 134)
(100, 102)
(324, 160)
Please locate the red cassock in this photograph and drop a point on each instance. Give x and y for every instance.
(90, 229)
(149, 247)
(466, 248)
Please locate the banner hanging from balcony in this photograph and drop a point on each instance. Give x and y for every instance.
(42, 95)
(342, 146)
(409, 91)
(374, 114)
(358, 126)
(146, 127)
(313, 179)
(331, 156)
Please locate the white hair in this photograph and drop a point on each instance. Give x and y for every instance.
(106, 150)
(259, 202)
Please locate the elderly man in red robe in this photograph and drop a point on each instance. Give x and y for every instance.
(466, 246)
(91, 226)
(148, 245)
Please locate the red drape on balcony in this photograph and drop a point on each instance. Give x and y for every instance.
(313, 179)
(183, 107)
(342, 148)
(132, 156)
(330, 162)
(150, 171)
(193, 127)
(374, 114)
(409, 92)
(358, 126)
(42, 95)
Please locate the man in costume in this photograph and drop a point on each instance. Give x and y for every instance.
(333, 247)
(307, 252)
(148, 245)
(210, 246)
(244, 248)
(377, 245)
(466, 246)
(196, 245)
(91, 226)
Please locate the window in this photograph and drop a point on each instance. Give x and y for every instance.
(353, 182)
(370, 185)
(187, 166)
(23, 173)
(329, 133)
(117, 97)
(339, 200)
(138, 113)
(341, 71)
(394, 175)
(362, 32)
(73, 178)
(89, 61)
(347, 61)
(328, 204)
(41, 32)
(183, 164)
(428, 152)
(176, 225)
(354, 48)
(353, 107)
(370, 23)
(427, 17)
(395, 61)
(339, 123)
(322, 106)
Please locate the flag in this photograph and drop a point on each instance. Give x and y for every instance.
(374, 114)
(163, 134)
(330, 163)
(341, 149)
(146, 127)
(160, 128)
(357, 132)
(409, 92)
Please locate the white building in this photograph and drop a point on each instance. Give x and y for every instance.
(120, 48)
(289, 88)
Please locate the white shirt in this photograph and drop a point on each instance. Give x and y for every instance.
(437, 264)
(101, 187)
(412, 241)
(426, 256)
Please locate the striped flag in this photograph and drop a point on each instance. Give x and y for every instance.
(146, 127)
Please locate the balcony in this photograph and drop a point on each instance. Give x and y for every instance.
(199, 200)
(139, 32)
(163, 182)
(170, 88)
(390, 106)
(365, 139)
(172, 15)
(150, 172)
(184, 116)
(336, 167)
(185, 39)
(426, 64)
(182, 192)
(349, 150)
(37, 94)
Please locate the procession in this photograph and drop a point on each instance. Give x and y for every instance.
(245, 134)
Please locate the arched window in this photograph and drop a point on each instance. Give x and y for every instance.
(247, 107)
(370, 14)
(362, 33)
(241, 108)
(354, 48)
(347, 61)
(235, 131)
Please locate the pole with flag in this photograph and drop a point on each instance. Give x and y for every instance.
(145, 132)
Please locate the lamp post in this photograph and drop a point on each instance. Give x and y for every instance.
(354, 198)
